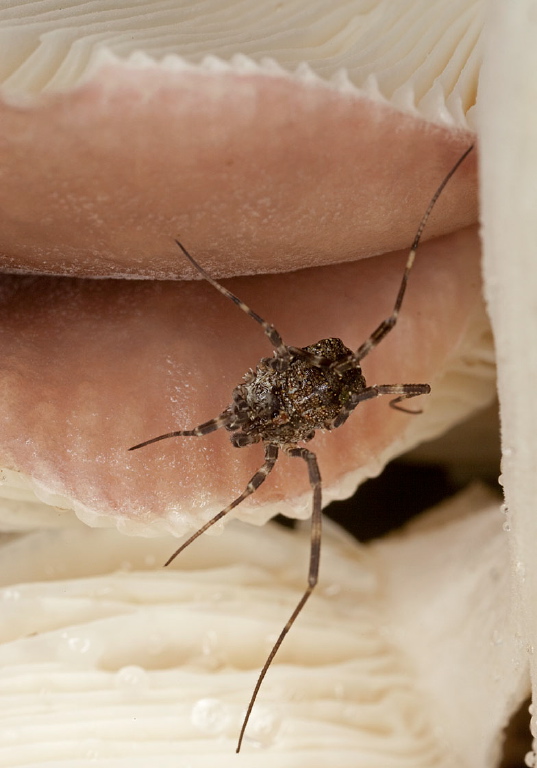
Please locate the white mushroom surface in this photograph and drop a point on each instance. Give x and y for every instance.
(107, 658)
(508, 126)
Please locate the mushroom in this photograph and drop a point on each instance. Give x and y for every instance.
(105, 658)
(155, 120)
(109, 152)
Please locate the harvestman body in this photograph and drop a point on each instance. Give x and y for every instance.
(291, 395)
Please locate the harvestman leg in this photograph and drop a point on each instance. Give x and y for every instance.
(203, 429)
(271, 454)
(283, 353)
(403, 392)
(386, 326)
(313, 573)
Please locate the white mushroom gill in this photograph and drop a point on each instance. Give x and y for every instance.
(103, 658)
(422, 56)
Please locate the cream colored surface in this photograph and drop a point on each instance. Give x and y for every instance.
(106, 657)
(382, 47)
(508, 127)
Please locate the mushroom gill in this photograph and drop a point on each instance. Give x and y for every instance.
(271, 136)
(104, 658)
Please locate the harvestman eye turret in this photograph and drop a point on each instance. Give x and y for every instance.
(287, 398)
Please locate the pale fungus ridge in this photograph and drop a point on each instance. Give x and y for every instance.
(235, 124)
(421, 57)
(108, 657)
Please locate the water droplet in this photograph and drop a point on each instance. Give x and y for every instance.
(77, 648)
(500, 479)
(263, 727)
(504, 509)
(132, 681)
(506, 526)
(209, 643)
(93, 749)
(211, 716)
(10, 594)
(332, 590)
(530, 759)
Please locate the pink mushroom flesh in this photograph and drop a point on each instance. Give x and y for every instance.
(257, 175)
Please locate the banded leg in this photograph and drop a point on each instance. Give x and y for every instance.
(271, 454)
(281, 350)
(386, 326)
(403, 392)
(313, 572)
(199, 431)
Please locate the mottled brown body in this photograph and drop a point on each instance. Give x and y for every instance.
(284, 407)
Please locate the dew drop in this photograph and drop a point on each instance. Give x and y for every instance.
(332, 590)
(93, 750)
(506, 526)
(10, 594)
(263, 727)
(77, 648)
(211, 716)
(530, 759)
(209, 643)
(133, 681)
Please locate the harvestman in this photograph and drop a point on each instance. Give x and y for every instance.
(288, 397)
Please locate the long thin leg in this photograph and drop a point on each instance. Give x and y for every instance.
(274, 337)
(403, 392)
(271, 454)
(202, 429)
(283, 352)
(386, 326)
(313, 573)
